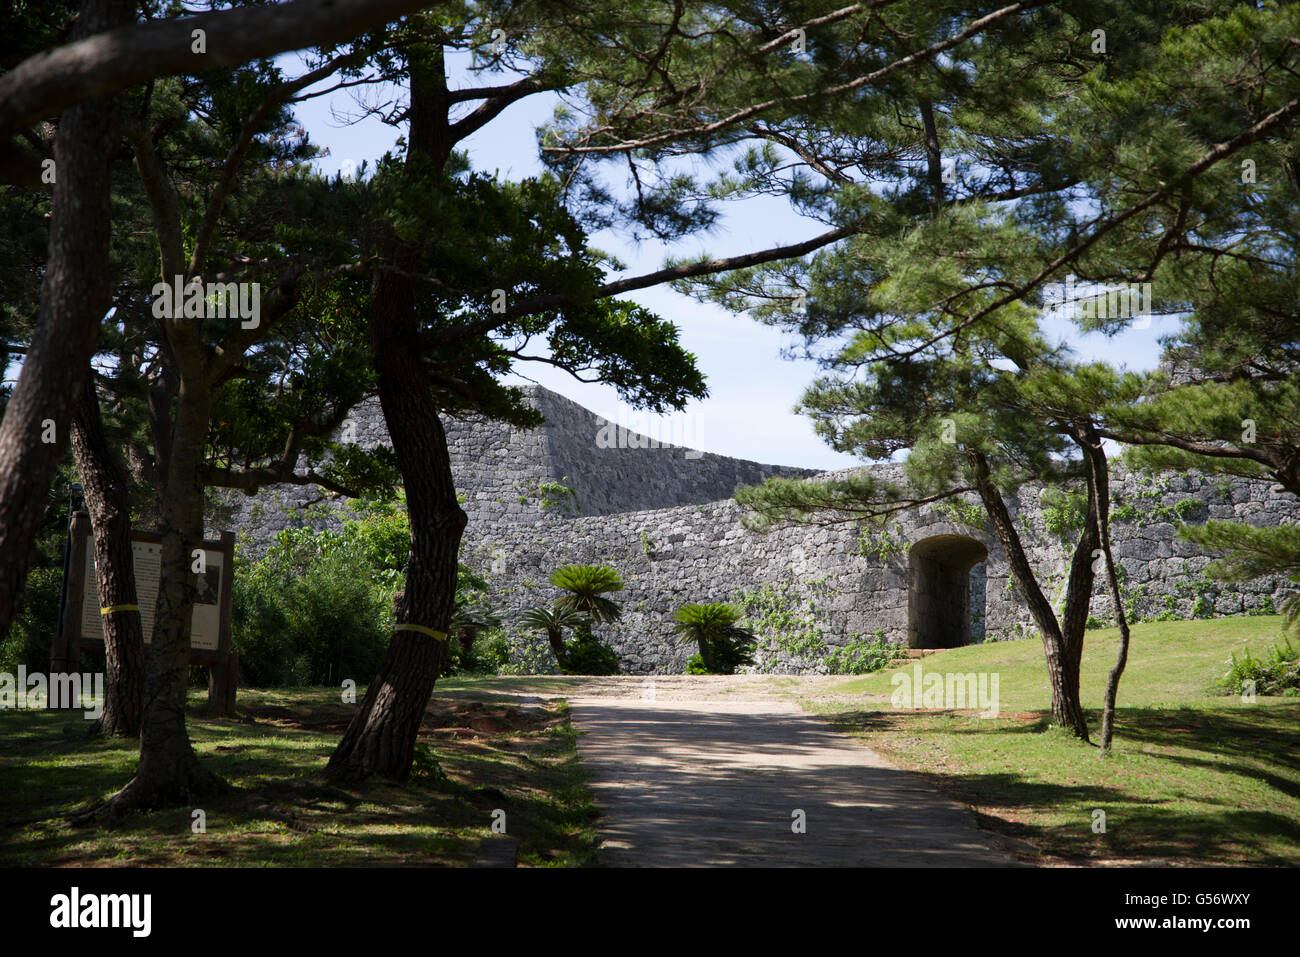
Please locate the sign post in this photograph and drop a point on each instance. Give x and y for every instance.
(82, 625)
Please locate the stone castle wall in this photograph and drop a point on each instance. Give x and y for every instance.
(502, 472)
(662, 516)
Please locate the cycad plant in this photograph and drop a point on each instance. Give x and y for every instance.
(585, 587)
(724, 645)
(467, 621)
(553, 621)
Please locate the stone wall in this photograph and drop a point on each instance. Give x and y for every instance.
(839, 585)
(507, 475)
(662, 516)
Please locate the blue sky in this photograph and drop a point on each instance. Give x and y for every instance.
(752, 390)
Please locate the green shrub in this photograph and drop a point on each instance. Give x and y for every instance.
(1278, 674)
(426, 769)
(695, 665)
(33, 628)
(724, 645)
(317, 608)
(1265, 607)
(586, 654)
(488, 654)
(529, 654)
(862, 656)
(311, 612)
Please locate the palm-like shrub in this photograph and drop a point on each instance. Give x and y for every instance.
(553, 621)
(468, 621)
(586, 586)
(724, 645)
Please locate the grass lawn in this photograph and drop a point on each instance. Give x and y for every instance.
(1194, 778)
(474, 757)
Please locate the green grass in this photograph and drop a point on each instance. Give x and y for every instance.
(281, 812)
(1194, 777)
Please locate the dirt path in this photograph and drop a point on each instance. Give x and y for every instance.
(702, 772)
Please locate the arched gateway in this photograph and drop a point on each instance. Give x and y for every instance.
(939, 593)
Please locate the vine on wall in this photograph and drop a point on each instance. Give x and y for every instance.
(785, 619)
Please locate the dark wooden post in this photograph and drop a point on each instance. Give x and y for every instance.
(223, 680)
(65, 651)
(223, 677)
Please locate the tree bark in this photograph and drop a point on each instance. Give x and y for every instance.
(110, 514)
(556, 638)
(74, 298)
(169, 773)
(54, 80)
(1100, 472)
(381, 737)
(1062, 648)
(933, 157)
(706, 654)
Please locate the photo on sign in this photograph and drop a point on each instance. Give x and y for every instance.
(209, 586)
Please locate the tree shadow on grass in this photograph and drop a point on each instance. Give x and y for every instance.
(866, 722)
(282, 810)
(1264, 733)
(1260, 744)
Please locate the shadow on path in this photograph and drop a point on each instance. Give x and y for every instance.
(695, 783)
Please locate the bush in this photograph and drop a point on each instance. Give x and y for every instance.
(1278, 674)
(586, 654)
(427, 770)
(530, 654)
(33, 628)
(309, 613)
(713, 629)
(487, 655)
(493, 650)
(695, 665)
(317, 608)
(863, 656)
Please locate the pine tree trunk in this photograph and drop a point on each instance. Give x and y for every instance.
(381, 737)
(110, 515)
(1101, 481)
(74, 298)
(933, 157)
(1063, 656)
(169, 773)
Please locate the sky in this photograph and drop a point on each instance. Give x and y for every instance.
(752, 390)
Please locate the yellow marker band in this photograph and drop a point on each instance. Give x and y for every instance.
(112, 608)
(432, 633)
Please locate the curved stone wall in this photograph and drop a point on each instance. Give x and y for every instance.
(663, 517)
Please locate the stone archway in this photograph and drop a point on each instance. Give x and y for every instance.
(939, 593)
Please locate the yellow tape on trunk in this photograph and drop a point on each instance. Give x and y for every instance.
(431, 632)
(112, 608)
